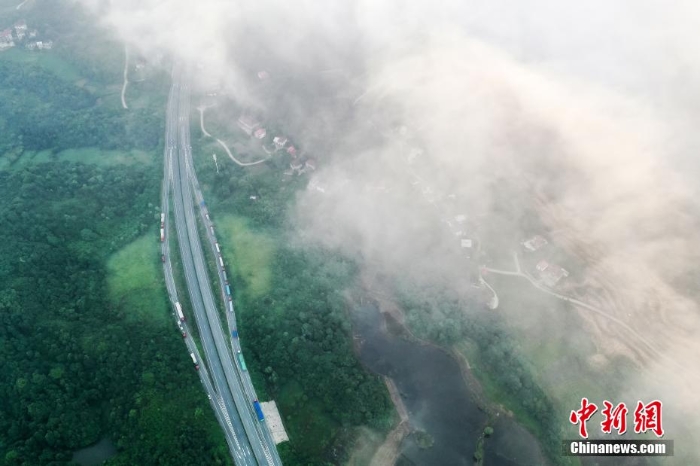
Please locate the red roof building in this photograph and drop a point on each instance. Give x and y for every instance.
(542, 265)
(248, 124)
(260, 133)
(535, 243)
(291, 150)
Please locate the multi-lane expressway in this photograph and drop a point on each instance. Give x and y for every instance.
(229, 388)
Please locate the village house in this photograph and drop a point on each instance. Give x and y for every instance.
(310, 164)
(535, 243)
(291, 150)
(280, 142)
(295, 166)
(314, 185)
(260, 133)
(467, 247)
(550, 273)
(248, 124)
(6, 40)
(20, 29)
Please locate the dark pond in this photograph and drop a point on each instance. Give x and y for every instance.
(438, 401)
(96, 454)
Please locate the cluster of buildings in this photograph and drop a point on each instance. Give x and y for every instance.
(298, 164)
(458, 226)
(534, 243)
(550, 274)
(20, 34)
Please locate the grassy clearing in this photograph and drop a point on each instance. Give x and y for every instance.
(48, 60)
(106, 157)
(135, 282)
(87, 155)
(367, 443)
(252, 253)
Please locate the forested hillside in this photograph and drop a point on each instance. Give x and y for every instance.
(76, 368)
(79, 183)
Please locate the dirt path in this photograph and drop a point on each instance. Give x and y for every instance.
(126, 76)
(640, 340)
(389, 451)
(223, 144)
(201, 120)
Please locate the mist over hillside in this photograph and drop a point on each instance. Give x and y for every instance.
(578, 114)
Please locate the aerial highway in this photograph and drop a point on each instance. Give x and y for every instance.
(227, 298)
(205, 378)
(219, 395)
(230, 390)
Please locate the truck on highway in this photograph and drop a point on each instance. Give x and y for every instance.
(221, 262)
(241, 361)
(162, 220)
(162, 235)
(234, 333)
(258, 410)
(194, 360)
(228, 290)
(180, 315)
(217, 247)
(230, 306)
(212, 230)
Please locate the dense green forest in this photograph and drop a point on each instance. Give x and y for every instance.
(39, 111)
(80, 365)
(75, 367)
(299, 335)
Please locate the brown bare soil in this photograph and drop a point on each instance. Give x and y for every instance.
(625, 287)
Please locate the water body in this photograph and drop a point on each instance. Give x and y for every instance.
(432, 388)
(96, 454)
(438, 401)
